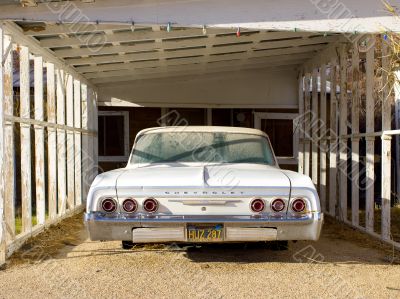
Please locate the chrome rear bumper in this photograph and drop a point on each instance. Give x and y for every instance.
(165, 228)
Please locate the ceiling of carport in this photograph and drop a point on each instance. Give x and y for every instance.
(111, 52)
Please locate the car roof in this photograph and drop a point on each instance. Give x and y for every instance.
(205, 129)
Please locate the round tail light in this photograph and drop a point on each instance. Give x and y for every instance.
(129, 205)
(257, 205)
(150, 205)
(109, 205)
(278, 205)
(298, 205)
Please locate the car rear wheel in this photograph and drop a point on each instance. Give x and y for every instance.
(127, 244)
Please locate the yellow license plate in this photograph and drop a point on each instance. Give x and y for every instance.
(205, 233)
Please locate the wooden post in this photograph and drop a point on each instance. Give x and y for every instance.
(355, 141)
(333, 141)
(61, 155)
(322, 137)
(51, 142)
(397, 124)
(70, 142)
(78, 143)
(85, 140)
(386, 144)
(39, 142)
(300, 124)
(3, 248)
(26, 174)
(95, 138)
(343, 131)
(370, 141)
(314, 127)
(9, 147)
(307, 125)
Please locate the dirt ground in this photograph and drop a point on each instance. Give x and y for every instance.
(63, 263)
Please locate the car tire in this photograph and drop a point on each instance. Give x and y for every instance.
(127, 245)
(279, 245)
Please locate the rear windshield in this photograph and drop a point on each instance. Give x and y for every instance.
(211, 147)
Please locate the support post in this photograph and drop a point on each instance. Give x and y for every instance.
(26, 171)
(61, 152)
(314, 127)
(343, 131)
(2, 220)
(307, 126)
(333, 141)
(78, 143)
(355, 141)
(300, 124)
(370, 141)
(322, 138)
(51, 141)
(386, 144)
(39, 142)
(85, 141)
(397, 124)
(70, 142)
(209, 116)
(9, 145)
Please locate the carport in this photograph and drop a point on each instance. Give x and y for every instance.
(328, 71)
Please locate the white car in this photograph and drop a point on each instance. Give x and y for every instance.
(202, 184)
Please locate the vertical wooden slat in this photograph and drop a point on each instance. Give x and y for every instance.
(95, 140)
(314, 127)
(307, 125)
(300, 124)
(333, 143)
(343, 131)
(386, 143)
(397, 124)
(355, 141)
(61, 152)
(323, 142)
(209, 116)
(9, 147)
(26, 171)
(2, 218)
(39, 142)
(369, 204)
(85, 140)
(51, 141)
(70, 142)
(78, 143)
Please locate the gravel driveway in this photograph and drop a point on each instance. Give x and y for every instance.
(63, 263)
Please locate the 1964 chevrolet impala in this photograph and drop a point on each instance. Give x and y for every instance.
(202, 184)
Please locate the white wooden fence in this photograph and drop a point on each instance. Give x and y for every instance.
(330, 143)
(54, 122)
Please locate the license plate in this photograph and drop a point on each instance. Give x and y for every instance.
(205, 233)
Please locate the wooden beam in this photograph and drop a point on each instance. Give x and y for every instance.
(26, 172)
(314, 127)
(333, 143)
(199, 70)
(300, 124)
(307, 125)
(61, 150)
(386, 142)
(397, 126)
(70, 143)
(9, 145)
(78, 143)
(355, 141)
(370, 141)
(182, 44)
(322, 138)
(51, 141)
(39, 142)
(49, 29)
(343, 131)
(182, 54)
(85, 141)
